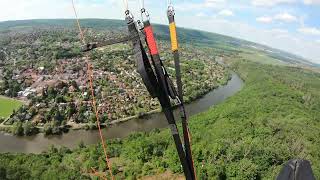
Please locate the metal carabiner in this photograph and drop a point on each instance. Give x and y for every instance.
(129, 17)
(170, 11)
(146, 13)
(178, 100)
(170, 8)
(129, 14)
(140, 25)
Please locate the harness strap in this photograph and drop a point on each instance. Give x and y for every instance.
(157, 82)
(155, 57)
(164, 93)
(175, 51)
(94, 45)
(144, 66)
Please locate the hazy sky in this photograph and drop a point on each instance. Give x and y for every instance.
(291, 25)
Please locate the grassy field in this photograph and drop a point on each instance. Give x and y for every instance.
(260, 57)
(7, 105)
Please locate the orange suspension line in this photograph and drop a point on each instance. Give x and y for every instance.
(94, 103)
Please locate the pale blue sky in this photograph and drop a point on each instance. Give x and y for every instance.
(291, 25)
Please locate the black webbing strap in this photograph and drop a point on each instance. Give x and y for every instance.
(164, 93)
(178, 74)
(143, 63)
(156, 80)
(183, 115)
(176, 57)
(94, 45)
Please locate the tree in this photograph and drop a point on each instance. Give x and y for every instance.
(59, 117)
(51, 92)
(3, 55)
(15, 89)
(3, 173)
(17, 129)
(33, 111)
(93, 118)
(60, 99)
(104, 118)
(81, 145)
(71, 110)
(29, 128)
(74, 84)
(47, 129)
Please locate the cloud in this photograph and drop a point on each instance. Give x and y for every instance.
(270, 3)
(285, 17)
(309, 31)
(47, 9)
(279, 31)
(213, 3)
(282, 17)
(264, 19)
(277, 38)
(187, 6)
(201, 14)
(226, 12)
(311, 2)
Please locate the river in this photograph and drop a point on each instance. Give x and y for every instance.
(39, 143)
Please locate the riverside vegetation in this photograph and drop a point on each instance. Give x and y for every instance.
(250, 136)
(274, 118)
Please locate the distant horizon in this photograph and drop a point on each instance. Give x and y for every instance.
(288, 25)
(298, 55)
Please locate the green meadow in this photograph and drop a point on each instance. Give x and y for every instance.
(7, 105)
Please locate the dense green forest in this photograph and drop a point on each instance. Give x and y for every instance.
(273, 119)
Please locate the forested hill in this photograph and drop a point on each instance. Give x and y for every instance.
(197, 37)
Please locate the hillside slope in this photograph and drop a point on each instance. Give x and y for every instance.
(189, 36)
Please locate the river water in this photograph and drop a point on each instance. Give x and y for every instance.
(40, 143)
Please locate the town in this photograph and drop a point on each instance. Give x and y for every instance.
(55, 88)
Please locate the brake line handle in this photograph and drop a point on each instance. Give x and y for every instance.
(173, 29)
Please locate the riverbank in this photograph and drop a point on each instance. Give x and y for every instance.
(92, 126)
(39, 143)
(86, 126)
(249, 136)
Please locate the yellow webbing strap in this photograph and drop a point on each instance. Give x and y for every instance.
(173, 35)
